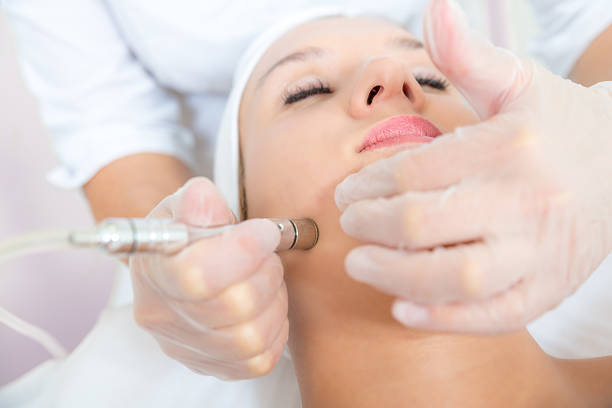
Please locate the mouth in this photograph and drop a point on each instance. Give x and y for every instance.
(398, 130)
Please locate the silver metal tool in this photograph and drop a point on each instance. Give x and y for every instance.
(126, 236)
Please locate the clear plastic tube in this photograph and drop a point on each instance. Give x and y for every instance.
(42, 337)
(34, 242)
(23, 245)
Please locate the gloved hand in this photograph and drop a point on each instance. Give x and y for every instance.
(490, 226)
(220, 305)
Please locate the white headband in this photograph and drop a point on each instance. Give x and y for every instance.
(226, 175)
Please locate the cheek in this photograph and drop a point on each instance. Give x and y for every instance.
(291, 172)
(451, 111)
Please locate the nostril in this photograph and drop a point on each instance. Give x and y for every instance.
(407, 91)
(373, 93)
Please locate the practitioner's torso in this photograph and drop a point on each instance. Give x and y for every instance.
(193, 46)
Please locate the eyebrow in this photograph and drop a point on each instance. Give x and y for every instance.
(302, 55)
(406, 43)
(316, 52)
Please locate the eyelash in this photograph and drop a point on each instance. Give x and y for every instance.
(319, 88)
(300, 93)
(432, 82)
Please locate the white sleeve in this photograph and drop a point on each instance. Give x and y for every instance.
(96, 99)
(567, 28)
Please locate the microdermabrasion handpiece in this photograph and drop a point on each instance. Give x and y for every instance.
(126, 236)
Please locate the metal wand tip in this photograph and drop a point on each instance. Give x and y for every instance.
(307, 233)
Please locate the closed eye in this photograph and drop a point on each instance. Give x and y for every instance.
(432, 82)
(319, 88)
(300, 93)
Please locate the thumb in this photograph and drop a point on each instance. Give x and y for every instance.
(488, 77)
(197, 203)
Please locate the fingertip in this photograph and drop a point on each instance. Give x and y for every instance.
(194, 184)
(487, 76)
(443, 28)
(360, 265)
(265, 362)
(265, 233)
(201, 204)
(340, 196)
(375, 179)
(410, 314)
(347, 219)
(372, 220)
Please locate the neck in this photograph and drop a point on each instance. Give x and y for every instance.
(349, 352)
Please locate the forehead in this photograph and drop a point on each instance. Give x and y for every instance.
(334, 33)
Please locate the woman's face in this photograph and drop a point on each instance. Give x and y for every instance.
(312, 99)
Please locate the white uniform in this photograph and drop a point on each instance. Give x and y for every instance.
(102, 69)
(106, 74)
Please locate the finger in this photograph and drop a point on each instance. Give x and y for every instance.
(239, 303)
(201, 204)
(256, 336)
(230, 343)
(506, 311)
(419, 220)
(242, 301)
(256, 366)
(378, 179)
(444, 274)
(265, 362)
(467, 152)
(209, 266)
(489, 77)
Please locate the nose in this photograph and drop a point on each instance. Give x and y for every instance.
(384, 81)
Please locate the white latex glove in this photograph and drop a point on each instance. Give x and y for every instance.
(220, 305)
(488, 227)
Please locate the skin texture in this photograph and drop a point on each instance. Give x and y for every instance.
(133, 185)
(595, 64)
(347, 349)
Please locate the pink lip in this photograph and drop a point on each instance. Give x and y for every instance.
(398, 130)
